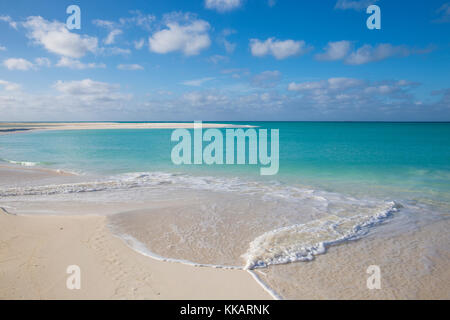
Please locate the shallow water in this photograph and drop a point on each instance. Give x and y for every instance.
(379, 191)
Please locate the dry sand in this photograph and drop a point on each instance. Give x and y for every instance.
(35, 252)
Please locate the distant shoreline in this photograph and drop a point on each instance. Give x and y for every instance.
(14, 127)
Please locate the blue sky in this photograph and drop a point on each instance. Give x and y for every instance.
(225, 60)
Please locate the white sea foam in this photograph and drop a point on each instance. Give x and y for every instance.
(139, 247)
(149, 179)
(304, 241)
(21, 163)
(335, 218)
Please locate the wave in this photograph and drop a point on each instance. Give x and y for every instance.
(21, 163)
(41, 166)
(170, 180)
(302, 242)
(341, 218)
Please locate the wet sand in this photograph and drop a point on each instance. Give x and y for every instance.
(35, 251)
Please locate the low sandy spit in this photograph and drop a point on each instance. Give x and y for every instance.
(14, 127)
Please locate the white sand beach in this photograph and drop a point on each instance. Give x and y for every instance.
(35, 252)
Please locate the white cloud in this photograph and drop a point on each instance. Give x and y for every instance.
(9, 21)
(335, 51)
(43, 62)
(223, 5)
(139, 44)
(2, 48)
(189, 38)
(111, 38)
(354, 4)
(280, 49)
(342, 50)
(325, 85)
(81, 100)
(25, 65)
(367, 53)
(90, 93)
(347, 94)
(17, 64)
(271, 3)
(130, 67)
(329, 99)
(9, 86)
(76, 64)
(197, 82)
(56, 38)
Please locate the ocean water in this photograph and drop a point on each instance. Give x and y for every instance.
(337, 183)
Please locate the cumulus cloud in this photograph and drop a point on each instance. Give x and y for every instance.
(335, 51)
(354, 4)
(88, 92)
(10, 21)
(56, 38)
(82, 100)
(368, 53)
(328, 99)
(130, 67)
(223, 5)
(190, 37)
(85, 87)
(329, 84)
(25, 65)
(280, 49)
(356, 94)
(9, 86)
(342, 50)
(17, 64)
(77, 64)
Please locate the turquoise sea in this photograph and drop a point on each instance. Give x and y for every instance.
(413, 157)
(337, 182)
